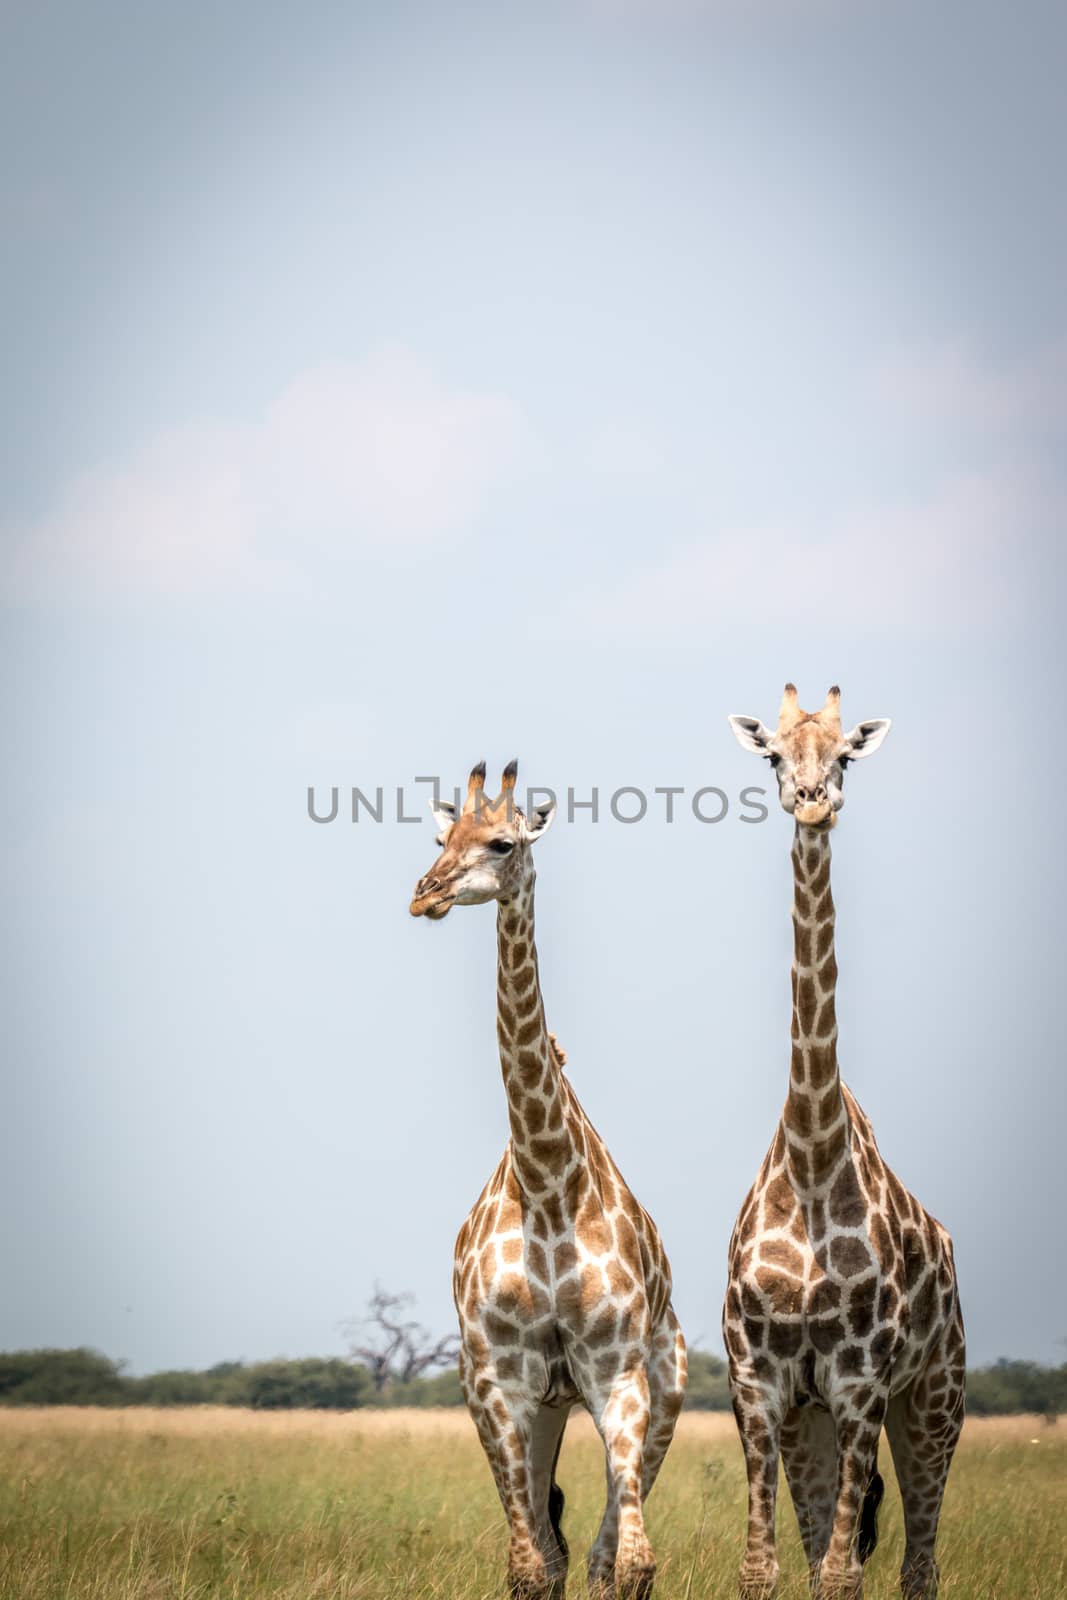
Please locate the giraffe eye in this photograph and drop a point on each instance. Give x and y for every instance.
(502, 847)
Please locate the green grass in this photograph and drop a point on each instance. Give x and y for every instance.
(183, 1505)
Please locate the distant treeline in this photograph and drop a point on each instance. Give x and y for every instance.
(86, 1378)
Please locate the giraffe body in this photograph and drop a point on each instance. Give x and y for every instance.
(842, 1309)
(560, 1278)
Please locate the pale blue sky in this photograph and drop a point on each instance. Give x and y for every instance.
(384, 393)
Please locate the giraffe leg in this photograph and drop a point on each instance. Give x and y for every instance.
(840, 1575)
(809, 1454)
(505, 1420)
(923, 1424)
(759, 1423)
(545, 1441)
(668, 1374)
(621, 1561)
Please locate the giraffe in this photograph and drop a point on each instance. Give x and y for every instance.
(560, 1279)
(842, 1308)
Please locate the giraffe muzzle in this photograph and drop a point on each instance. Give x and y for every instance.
(818, 814)
(431, 900)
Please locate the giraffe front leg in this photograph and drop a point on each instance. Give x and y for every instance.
(759, 1423)
(809, 1455)
(505, 1420)
(858, 1428)
(621, 1562)
(923, 1425)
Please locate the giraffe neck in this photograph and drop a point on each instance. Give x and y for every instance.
(539, 1103)
(814, 1120)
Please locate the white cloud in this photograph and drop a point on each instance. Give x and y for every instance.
(968, 556)
(346, 457)
(949, 384)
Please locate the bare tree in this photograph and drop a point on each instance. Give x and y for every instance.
(393, 1348)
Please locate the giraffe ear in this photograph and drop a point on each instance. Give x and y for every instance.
(865, 738)
(751, 734)
(540, 818)
(444, 814)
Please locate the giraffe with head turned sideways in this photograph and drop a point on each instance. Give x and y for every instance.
(842, 1308)
(560, 1279)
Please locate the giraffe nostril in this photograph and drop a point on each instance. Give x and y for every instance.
(801, 793)
(820, 793)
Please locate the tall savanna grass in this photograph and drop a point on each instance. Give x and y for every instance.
(190, 1504)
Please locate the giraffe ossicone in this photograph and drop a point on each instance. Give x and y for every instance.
(842, 1307)
(560, 1278)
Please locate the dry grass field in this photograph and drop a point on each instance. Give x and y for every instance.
(182, 1505)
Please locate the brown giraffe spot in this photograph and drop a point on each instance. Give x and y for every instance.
(778, 1202)
(529, 1067)
(536, 1261)
(826, 1336)
(528, 1031)
(881, 1239)
(849, 1360)
(778, 1252)
(786, 1295)
(826, 1296)
(565, 1259)
(822, 1063)
(509, 1367)
(922, 1311)
(861, 1307)
(751, 1304)
(735, 1341)
(816, 1213)
(829, 1106)
(882, 1347)
(802, 944)
(801, 903)
(799, 1115)
(554, 1121)
(592, 1290)
(479, 1349)
(533, 1114)
(806, 1002)
(798, 1160)
(847, 1205)
(550, 1154)
(511, 1251)
(513, 1295)
(826, 1020)
(914, 1260)
(499, 1331)
(849, 1257)
(887, 1302)
(604, 1330)
(574, 1189)
(620, 1282)
(784, 1339)
(628, 1246)
(826, 1155)
(824, 940)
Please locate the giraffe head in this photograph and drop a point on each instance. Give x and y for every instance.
(809, 753)
(486, 847)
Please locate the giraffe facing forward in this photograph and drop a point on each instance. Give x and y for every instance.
(842, 1309)
(561, 1282)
